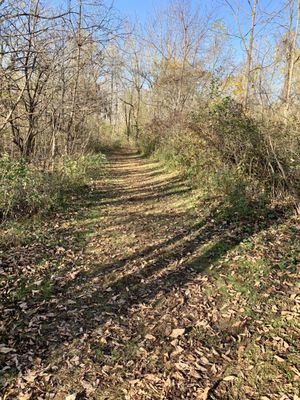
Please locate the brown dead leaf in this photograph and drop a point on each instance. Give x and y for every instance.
(182, 366)
(177, 351)
(177, 332)
(152, 377)
(194, 374)
(71, 396)
(295, 370)
(202, 394)
(24, 396)
(229, 378)
(279, 359)
(30, 376)
(88, 387)
(5, 350)
(204, 361)
(150, 337)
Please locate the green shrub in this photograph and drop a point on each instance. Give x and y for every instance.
(79, 171)
(261, 150)
(25, 190)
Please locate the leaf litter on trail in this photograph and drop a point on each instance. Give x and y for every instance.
(136, 318)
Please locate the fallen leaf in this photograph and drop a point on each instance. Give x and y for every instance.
(150, 337)
(229, 378)
(88, 387)
(204, 360)
(24, 396)
(71, 396)
(30, 376)
(202, 394)
(194, 374)
(182, 366)
(177, 351)
(177, 332)
(279, 359)
(152, 377)
(5, 350)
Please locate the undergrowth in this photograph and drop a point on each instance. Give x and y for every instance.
(227, 153)
(26, 190)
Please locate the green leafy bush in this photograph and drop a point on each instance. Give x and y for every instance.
(263, 151)
(79, 171)
(25, 190)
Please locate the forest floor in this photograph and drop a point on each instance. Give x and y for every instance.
(143, 288)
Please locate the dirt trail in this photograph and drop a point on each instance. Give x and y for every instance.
(118, 299)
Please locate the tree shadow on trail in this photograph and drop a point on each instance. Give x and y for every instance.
(85, 298)
(161, 262)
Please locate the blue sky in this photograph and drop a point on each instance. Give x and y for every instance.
(137, 9)
(140, 10)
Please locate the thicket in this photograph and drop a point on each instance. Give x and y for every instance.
(227, 151)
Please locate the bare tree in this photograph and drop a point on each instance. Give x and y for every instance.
(291, 41)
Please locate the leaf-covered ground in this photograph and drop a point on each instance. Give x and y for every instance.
(144, 289)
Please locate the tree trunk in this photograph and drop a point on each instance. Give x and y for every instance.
(291, 63)
(250, 54)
